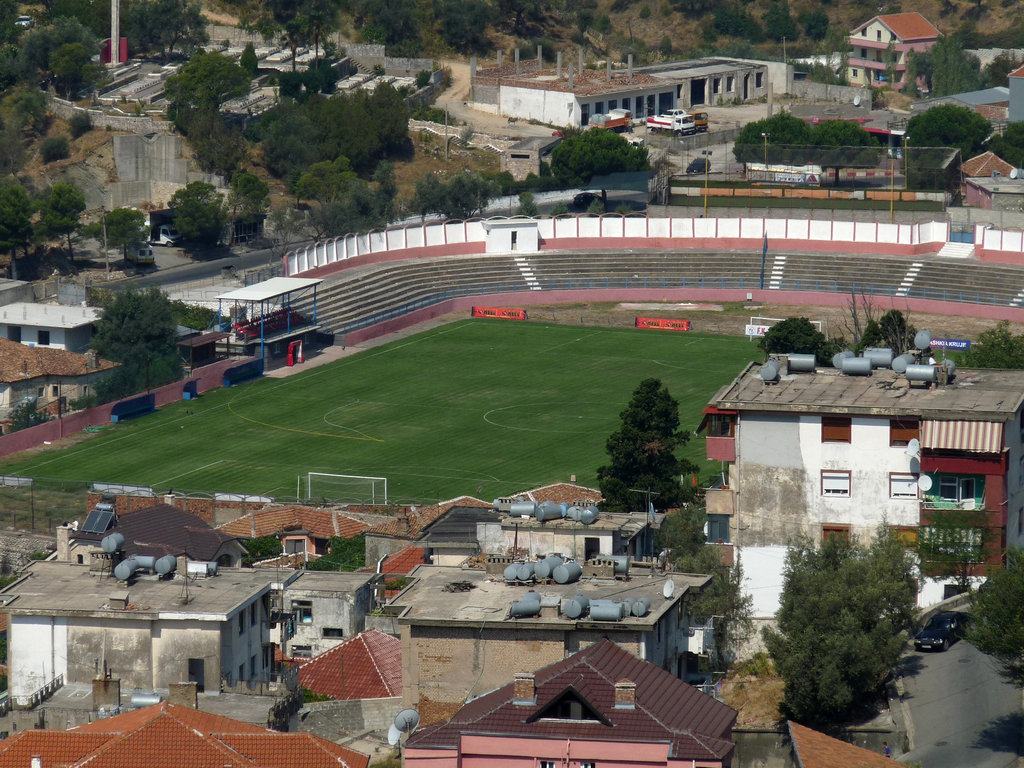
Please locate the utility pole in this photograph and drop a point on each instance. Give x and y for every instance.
(647, 492)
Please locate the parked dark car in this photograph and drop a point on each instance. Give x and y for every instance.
(941, 631)
(700, 165)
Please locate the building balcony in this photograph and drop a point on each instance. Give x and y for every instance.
(964, 504)
(721, 448)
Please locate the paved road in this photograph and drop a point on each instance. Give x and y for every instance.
(964, 715)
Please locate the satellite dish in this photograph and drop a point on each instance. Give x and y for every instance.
(394, 735)
(924, 482)
(407, 720)
(923, 339)
(856, 100)
(913, 448)
(1015, 173)
(669, 589)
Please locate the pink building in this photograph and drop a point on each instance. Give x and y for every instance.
(602, 706)
(870, 55)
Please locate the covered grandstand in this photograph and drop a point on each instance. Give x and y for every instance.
(263, 320)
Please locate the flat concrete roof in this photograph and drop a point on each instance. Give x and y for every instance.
(430, 601)
(697, 69)
(973, 395)
(1000, 185)
(329, 581)
(628, 525)
(52, 588)
(270, 289)
(48, 315)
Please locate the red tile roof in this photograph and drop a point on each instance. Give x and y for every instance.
(816, 750)
(367, 666)
(984, 164)
(20, 361)
(402, 562)
(909, 26)
(697, 726)
(321, 523)
(1018, 72)
(170, 736)
(409, 523)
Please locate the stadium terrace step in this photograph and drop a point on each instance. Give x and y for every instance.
(957, 251)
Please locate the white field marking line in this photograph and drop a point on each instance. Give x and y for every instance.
(487, 420)
(191, 471)
(567, 343)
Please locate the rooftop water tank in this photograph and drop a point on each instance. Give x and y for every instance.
(838, 357)
(899, 364)
(549, 510)
(543, 569)
(567, 572)
(146, 699)
(588, 515)
(641, 606)
(521, 608)
(524, 572)
(166, 564)
(804, 363)
(857, 366)
(880, 357)
(511, 572)
(921, 373)
(146, 561)
(577, 606)
(126, 569)
(606, 610)
(520, 508)
(531, 597)
(770, 371)
(112, 543)
(621, 563)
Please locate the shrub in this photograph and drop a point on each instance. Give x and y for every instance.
(80, 124)
(55, 148)
(422, 78)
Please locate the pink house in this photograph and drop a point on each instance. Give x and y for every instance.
(870, 56)
(602, 707)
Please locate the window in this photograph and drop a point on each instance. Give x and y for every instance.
(294, 546)
(81, 559)
(547, 764)
(612, 104)
(588, 765)
(14, 334)
(44, 338)
(863, 53)
(835, 429)
(241, 672)
(957, 489)
(835, 482)
(302, 651)
(878, 35)
(864, 33)
(730, 84)
(718, 528)
(39, 392)
(853, 73)
(252, 667)
(303, 610)
(717, 85)
(834, 531)
(758, 77)
(584, 114)
(241, 622)
(902, 486)
(902, 431)
(252, 615)
(54, 390)
(599, 108)
(721, 425)
(515, 239)
(333, 632)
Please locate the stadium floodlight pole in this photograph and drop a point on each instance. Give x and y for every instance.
(765, 135)
(707, 167)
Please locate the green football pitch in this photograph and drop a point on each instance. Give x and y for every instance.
(478, 407)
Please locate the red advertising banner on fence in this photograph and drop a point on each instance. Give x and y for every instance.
(505, 313)
(663, 323)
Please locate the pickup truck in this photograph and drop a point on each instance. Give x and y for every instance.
(676, 121)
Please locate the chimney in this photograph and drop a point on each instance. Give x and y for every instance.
(524, 690)
(403, 523)
(182, 569)
(106, 691)
(37, 761)
(608, 68)
(558, 65)
(183, 694)
(629, 65)
(517, 60)
(540, 57)
(625, 694)
(92, 360)
(64, 543)
(499, 57)
(169, 498)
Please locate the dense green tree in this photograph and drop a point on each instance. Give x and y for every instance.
(464, 23)
(60, 213)
(325, 181)
(815, 23)
(642, 453)
(218, 147)
(200, 214)
(521, 13)
(39, 44)
(998, 70)
(733, 20)
(15, 223)
(261, 548)
(285, 226)
(249, 197)
(919, 65)
(289, 140)
(783, 129)
(891, 331)
(462, 197)
(996, 348)
(342, 555)
(722, 602)
(595, 153)
(1009, 145)
(797, 335)
(124, 228)
(998, 618)
(164, 25)
(136, 328)
(682, 532)
(949, 125)
(73, 68)
(30, 109)
(841, 133)
(25, 415)
(207, 81)
(527, 204)
(953, 69)
(778, 23)
(249, 61)
(843, 609)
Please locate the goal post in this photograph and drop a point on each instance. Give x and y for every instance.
(333, 487)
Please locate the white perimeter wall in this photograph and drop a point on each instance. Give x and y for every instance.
(554, 107)
(37, 652)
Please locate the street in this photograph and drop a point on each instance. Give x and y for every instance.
(963, 713)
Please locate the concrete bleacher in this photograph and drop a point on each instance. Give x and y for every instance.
(362, 296)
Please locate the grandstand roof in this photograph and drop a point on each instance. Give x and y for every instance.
(270, 289)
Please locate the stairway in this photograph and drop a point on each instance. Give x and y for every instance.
(957, 250)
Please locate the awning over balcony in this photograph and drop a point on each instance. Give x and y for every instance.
(973, 436)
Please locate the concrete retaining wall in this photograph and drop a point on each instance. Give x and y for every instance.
(333, 719)
(807, 89)
(142, 125)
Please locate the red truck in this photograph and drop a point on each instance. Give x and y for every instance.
(618, 120)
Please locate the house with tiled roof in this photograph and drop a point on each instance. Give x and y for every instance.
(49, 375)
(881, 45)
(302, 530)
(154, 531)
(367, 666)
(169, 736)
(601, 704)
(812, 749)
(408, 524)
(987, 164)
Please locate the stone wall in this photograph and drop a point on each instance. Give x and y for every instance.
(807, 89)
(141, 125)
(15, 548)
(333, 719)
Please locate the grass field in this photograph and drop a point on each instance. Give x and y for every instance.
(479, 407)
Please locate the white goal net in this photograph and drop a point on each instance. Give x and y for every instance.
(361, 489)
